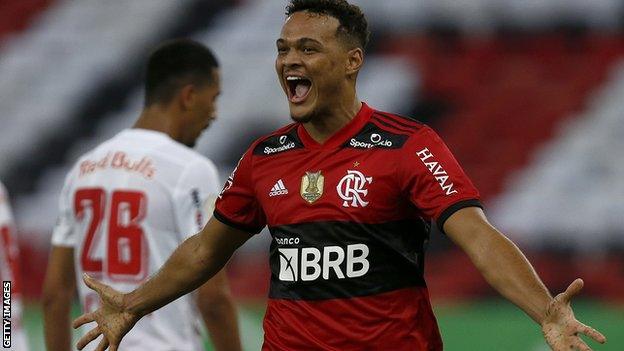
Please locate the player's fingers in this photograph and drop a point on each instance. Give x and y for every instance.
(581, 345)
(572, 290)
(88, 337)
(102, 345)
(592, 333)
(92, 283)
(85, 318)
(114, 346)
(106, 293)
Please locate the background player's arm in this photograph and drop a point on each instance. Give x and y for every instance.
(219, 313)
(506, 269)
(194, 199)
(58, 293)
(195, 261)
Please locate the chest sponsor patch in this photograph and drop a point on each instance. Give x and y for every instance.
(311, 263)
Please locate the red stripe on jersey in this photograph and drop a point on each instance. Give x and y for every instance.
(385, 125)
(394, 124)
(403, 121)
(398, 320)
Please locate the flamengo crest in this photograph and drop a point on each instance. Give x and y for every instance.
(312, 186)
(351, 189)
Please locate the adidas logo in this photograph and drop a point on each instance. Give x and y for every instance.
(278, 189)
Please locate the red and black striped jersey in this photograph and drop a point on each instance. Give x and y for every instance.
(349, 222)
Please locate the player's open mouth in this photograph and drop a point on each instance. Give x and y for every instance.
(298, 88)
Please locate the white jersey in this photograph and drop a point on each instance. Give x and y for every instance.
(9, 272)
(124, 208)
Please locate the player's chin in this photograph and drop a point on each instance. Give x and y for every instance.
(301, 116)
(303, 112)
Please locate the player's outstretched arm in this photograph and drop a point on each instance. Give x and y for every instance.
(195, 261)
(507, 270)
(58, 292)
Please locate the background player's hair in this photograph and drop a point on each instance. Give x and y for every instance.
(174, 64)
(353, 24)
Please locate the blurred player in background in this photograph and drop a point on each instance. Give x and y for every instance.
(347, 192)
(9, 270)
(127, 204)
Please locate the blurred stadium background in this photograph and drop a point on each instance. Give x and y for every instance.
(528, 94)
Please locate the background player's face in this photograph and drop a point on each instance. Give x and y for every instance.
(311, 64)
(202, 110)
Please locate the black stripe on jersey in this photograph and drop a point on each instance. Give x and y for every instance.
(372, 136)
(454, 208)
(328, 260)
(401, 120)
(279, 143)
(223, 219)
(400, 129)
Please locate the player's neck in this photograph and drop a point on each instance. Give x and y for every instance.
(322, 127)
(157, 118)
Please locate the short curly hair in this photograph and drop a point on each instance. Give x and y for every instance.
(353, 24)
(175, 63)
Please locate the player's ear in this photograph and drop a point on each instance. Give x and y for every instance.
(187, 96)
(355, 60)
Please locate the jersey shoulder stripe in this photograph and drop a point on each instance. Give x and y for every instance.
(282, 140)
(382, 123)
(403, 121)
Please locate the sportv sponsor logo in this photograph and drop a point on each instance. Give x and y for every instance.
(272, 150)
(375, 140)
(311, 263)
(436, 169)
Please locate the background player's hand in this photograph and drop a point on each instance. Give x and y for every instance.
(113, 321)
(560, 327)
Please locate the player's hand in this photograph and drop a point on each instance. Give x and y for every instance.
(560, 327)
(113, 321)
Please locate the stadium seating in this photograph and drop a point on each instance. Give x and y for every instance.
(482, 16)
(506, 95)
(576, 179)
(68, 51)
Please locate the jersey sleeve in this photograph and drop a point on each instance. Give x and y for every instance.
(64, 233)
(433, 180)
(194, 197)
(237, 205)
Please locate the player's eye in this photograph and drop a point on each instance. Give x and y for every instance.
(309, 50)
(282, 50)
